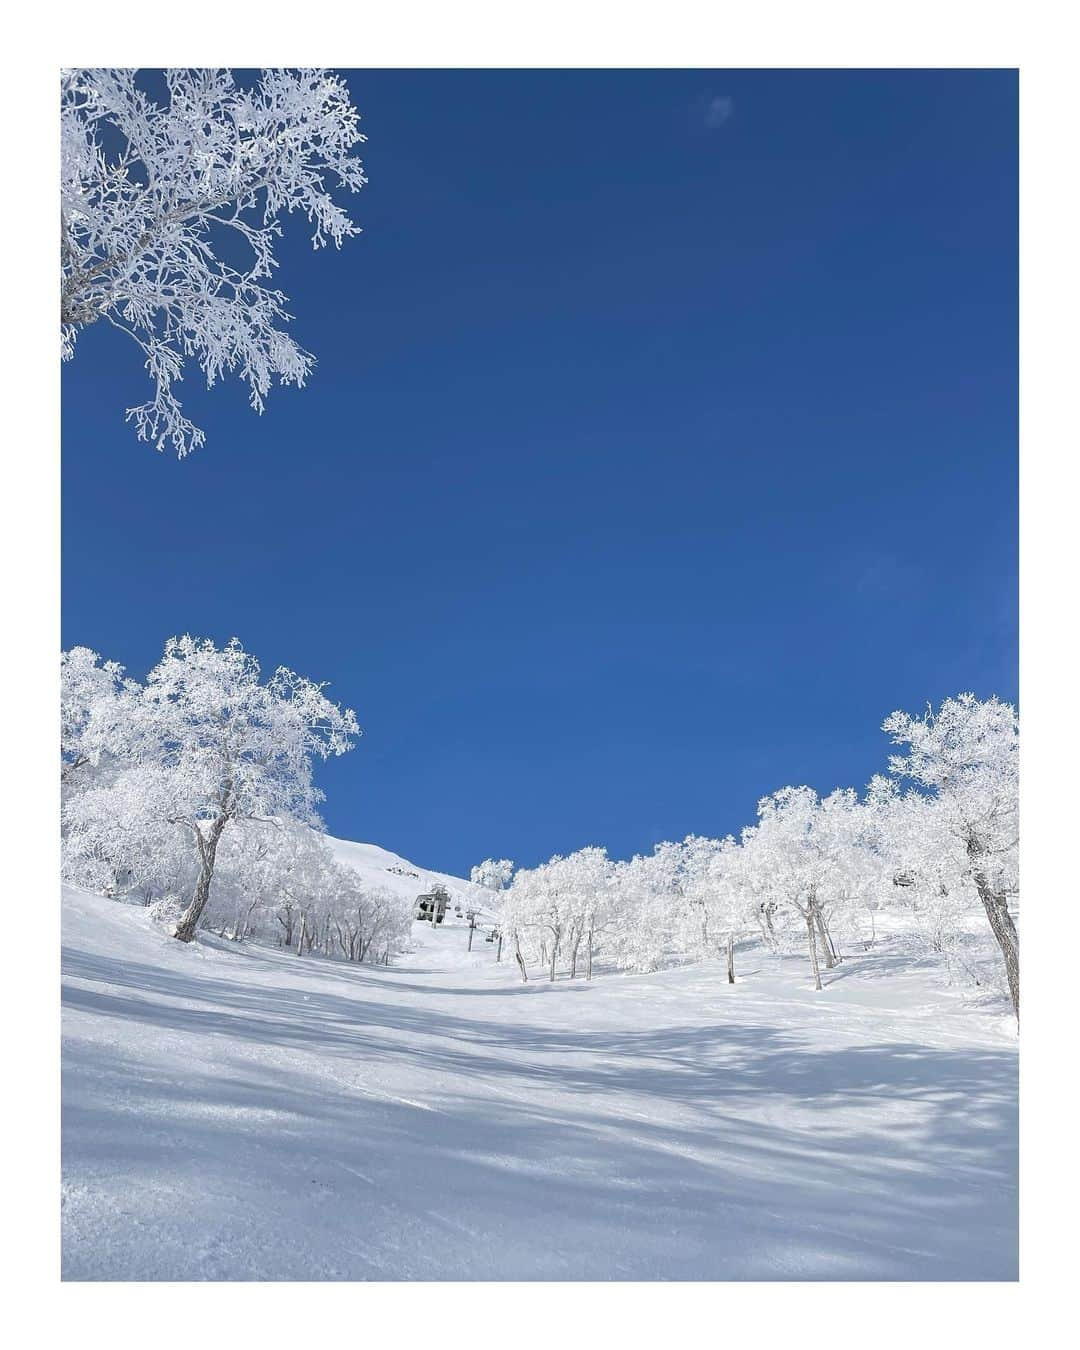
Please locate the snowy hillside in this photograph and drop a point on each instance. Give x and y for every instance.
(236, 1112)
(380, 868)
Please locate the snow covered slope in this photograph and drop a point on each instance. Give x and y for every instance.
(241, 1113)
(379, 867)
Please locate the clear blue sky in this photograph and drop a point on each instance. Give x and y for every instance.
(662, 441)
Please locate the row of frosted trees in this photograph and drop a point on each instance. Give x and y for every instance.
(193, 791)
(928, 853)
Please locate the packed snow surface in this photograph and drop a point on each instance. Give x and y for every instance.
(239, 1113)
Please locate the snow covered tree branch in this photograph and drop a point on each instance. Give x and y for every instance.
(169, 215)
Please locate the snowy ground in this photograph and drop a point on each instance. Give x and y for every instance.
(239, 1113)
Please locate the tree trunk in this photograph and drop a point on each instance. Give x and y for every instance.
(189, 920)
(997, 911)
(588, 958)
(731, 958)
(837, 954)
(521, 962)
(573, 956)
(827, 947)
(765, 923)
(813, 949)
(554, 955)
(247, 920)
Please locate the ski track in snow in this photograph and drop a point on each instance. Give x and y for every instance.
(238, 1113)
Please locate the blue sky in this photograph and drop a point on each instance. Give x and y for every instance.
(662, 441)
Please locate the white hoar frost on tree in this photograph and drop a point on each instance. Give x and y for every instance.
(169, 213)
(203, 747)
(194, 790)
(814, 874)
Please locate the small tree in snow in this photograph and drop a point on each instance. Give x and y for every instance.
(169, 215)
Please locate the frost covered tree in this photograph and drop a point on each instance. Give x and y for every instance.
(170, 207)
(967, 756)
(207, 754)
(580, 883)
(924, 870)
(637, 932)
(235, 748)
(279, 881)
(95, 701)
(788, 850)
(248, 863)
(116, 837)
(493, 873)
(729, 908)
(687, 881)
(594, 877)
(646, 895)
(517, 916)
(558, 910)
(687, 900)
(113, 837)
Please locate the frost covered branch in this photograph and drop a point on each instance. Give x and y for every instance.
(169, 214)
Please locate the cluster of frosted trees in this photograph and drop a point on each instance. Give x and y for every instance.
(927, 854)
(194, 792)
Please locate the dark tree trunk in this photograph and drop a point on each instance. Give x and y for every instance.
(997, 911)
(573, 956)
(189, 920)
(731, 958)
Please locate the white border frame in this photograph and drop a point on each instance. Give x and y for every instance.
(581, 34)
